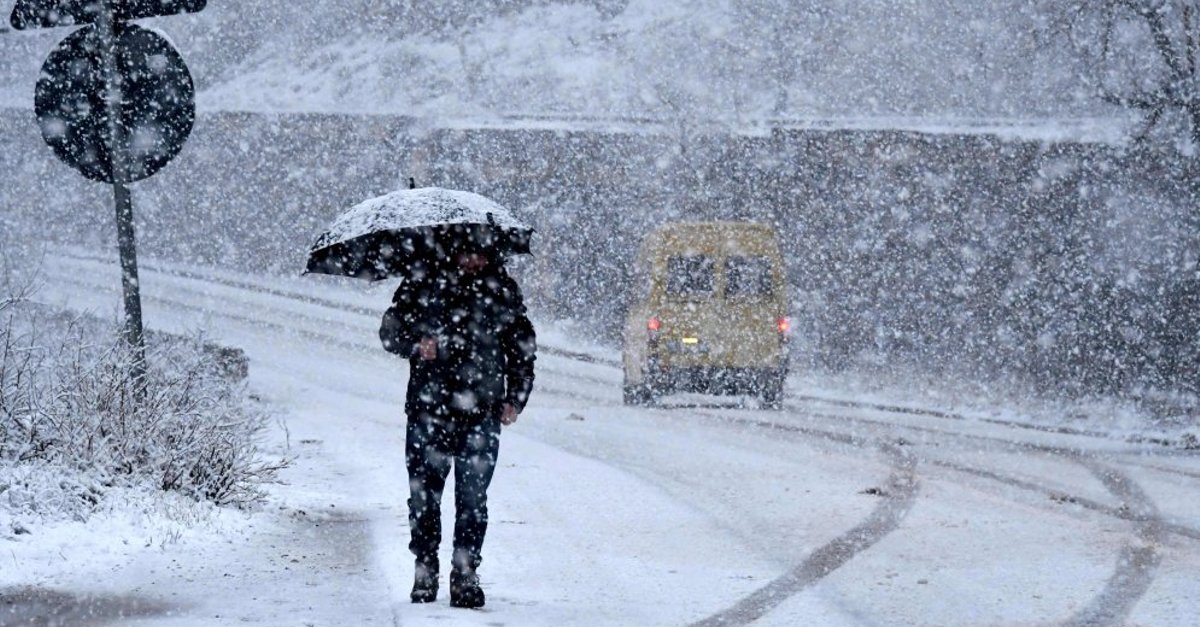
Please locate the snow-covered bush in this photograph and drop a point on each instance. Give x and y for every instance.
(68, 402)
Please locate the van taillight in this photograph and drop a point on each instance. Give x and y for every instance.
(654, 324)
(784, 325)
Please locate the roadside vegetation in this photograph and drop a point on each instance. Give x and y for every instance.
(72, 428)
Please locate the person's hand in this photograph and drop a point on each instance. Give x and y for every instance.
(427, 349)
(508, 415)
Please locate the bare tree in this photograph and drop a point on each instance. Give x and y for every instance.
(1143, 56)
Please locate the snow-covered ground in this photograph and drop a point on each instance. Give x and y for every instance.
(698, 511)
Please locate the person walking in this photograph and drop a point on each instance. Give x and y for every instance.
(461, 322)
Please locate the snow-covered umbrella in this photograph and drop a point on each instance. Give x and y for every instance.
(386, 235)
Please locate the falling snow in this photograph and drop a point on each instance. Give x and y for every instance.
(950, 378)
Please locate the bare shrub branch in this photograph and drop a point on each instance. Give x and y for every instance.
(70, 402)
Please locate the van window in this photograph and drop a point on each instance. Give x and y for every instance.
(690, 275)
(747, 276)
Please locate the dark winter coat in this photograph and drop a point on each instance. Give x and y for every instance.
(486, 344)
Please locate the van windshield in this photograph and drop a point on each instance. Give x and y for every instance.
(690, 275)
(747, 276)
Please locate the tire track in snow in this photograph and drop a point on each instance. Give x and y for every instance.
(258, 287)
(1121, 513)
(318, 337)
(320, 323)
(1138, 561)
(1004, 444)
(1136, 564)
(293, 296)
(316, 331)
(945, 415)
(1182, 472)
(899, 495)
(1076, 455)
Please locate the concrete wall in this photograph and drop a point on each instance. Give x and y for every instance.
(940, 249)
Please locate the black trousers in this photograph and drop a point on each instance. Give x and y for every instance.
(434, 443)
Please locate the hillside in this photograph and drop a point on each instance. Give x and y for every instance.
(677, 59)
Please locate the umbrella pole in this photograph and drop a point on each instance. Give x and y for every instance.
(126, 242)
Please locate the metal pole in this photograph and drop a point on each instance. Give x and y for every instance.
(126, 242)
(122, 199)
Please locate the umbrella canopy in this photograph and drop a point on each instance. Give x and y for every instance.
(384, 236)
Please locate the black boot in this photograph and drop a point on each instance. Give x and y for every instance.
(425, 582)
(464, 588)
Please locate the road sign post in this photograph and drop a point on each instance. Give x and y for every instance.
(116, 102)
(122, 199)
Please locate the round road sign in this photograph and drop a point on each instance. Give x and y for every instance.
(158, 104)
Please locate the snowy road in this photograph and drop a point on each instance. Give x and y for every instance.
(830, 512)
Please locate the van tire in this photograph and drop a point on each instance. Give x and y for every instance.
(637, 395)
(772, 395)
